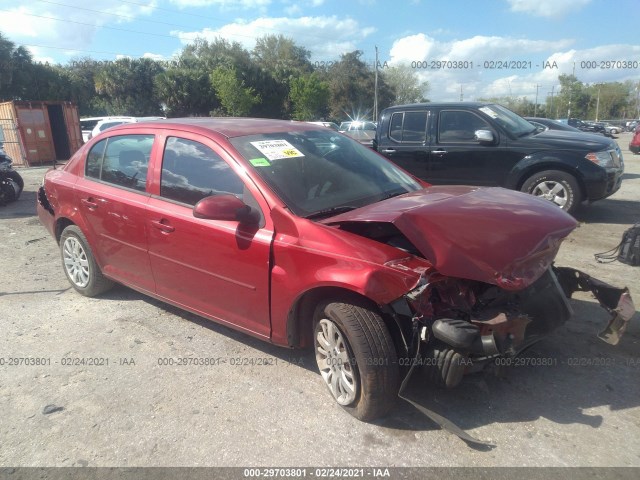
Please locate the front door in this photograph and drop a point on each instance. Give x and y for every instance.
(218, 269)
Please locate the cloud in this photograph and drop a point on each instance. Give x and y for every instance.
(547, 8)
(222, 4)
(326, 36)
(479, 74)
(37, 24)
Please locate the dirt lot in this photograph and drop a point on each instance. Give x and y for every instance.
(581, 408)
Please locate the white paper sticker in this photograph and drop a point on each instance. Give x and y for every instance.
(489, 112)
(277, 149)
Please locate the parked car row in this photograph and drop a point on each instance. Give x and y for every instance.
(303, 237)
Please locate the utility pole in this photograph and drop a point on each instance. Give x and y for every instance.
(571, 90)
(535, 107)
(551, 105)
(461, 94)
(598, 102)
(375, 90)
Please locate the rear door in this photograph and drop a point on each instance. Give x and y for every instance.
(219, 269)
(112, 200)
(406, 142)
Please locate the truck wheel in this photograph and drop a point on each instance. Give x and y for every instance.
(356, 358)
(556, 186)
(79, 264)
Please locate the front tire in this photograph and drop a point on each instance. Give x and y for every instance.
(556, 186)
(79, 264)
(356, 358)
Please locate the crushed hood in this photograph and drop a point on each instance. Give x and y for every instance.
(491, 235)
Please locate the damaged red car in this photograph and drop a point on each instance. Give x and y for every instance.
(302, 237)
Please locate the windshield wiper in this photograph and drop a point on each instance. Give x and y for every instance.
(392, 194)
(331, 211)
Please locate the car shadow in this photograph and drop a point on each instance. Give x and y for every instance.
(301, 358)
(24, 207)
(559, 378)
(611, 211)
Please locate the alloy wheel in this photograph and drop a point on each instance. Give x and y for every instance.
(332, 355)
(76, 262)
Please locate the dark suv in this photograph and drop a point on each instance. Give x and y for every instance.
(476, 143)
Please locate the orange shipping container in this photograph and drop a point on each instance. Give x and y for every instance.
(39, 133)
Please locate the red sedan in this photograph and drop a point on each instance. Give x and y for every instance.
(301, 236)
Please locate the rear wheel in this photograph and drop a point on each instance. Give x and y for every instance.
(556, 186)
(79, 264)
(356, 358)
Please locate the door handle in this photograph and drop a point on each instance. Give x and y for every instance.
(439, 152)
(89, 203)
(388, 150)
(162, 226)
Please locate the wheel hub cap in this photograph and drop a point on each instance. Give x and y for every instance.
(334, 362)
(76, 262)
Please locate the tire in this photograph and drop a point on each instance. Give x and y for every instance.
(9, 191)
(79, 264)
(15, 176)
(556, 186)
(356, 358)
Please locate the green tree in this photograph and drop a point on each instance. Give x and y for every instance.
(185, 91)
(406, 85)
(236, 98)
(126, 87)
(309, 96)
(572, 101)
(352, 86)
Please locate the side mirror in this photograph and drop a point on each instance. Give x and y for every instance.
(484, 136)
(225, 207)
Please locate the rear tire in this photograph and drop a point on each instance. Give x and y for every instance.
(79, 264)
(356, 358)
(556, 186)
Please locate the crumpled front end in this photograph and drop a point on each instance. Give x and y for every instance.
(464, 325)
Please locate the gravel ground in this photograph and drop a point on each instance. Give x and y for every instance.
(579, 407)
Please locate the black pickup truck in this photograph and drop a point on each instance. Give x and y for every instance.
(475, 143)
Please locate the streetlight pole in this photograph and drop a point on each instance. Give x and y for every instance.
(598, 102)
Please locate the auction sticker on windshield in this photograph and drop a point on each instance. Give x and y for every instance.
(277, 149)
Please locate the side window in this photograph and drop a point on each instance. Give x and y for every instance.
(415, 125)
(94, 160)
(408, 126)
(121, 160)
(459, 126)
(192, 171)
(395, 126)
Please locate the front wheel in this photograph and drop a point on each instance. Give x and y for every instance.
(356, 358)
(556, 186)
(79, 264)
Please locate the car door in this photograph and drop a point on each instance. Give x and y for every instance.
(219, 269)
(112, 199)
(406, 143)
(456, 157)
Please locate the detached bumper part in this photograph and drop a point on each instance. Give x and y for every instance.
(616, 301)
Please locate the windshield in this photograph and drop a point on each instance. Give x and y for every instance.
(321, 172)
(511, 122)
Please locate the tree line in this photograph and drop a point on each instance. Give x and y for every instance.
(573, 98)
(275, 80)
(221, 78)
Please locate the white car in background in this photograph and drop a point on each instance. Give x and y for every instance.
(92, 126)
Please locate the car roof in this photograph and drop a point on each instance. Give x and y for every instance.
(226, 126)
